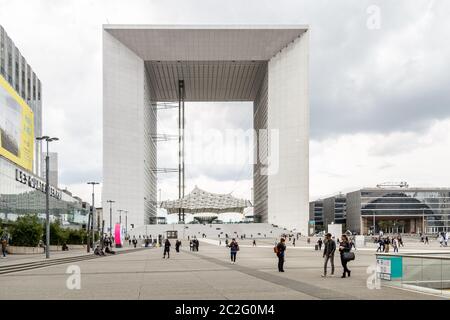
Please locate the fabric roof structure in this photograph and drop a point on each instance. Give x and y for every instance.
(199, 201)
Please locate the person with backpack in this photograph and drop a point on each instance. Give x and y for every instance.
(280, 251)
(328, 254)
(234, 248)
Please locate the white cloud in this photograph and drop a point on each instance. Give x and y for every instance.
(350, 162)
(375, 94)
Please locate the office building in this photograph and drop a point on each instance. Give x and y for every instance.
(268, 65)
(334, 210)
(401, 209)
(16, 71)
(316, 215)
(22, 189)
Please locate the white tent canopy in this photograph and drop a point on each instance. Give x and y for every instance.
(199, 201)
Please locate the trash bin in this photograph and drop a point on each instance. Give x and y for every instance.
(316, 247)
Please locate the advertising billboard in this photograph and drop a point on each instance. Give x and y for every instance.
(16, 127)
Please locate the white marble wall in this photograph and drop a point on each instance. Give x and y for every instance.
(123, 132)
(288, 112)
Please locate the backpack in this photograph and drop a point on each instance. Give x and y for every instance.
(275, 249)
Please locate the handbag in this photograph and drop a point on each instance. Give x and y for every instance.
(348, 256)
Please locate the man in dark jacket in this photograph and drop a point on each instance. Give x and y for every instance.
(281, 249)
(167, 249)
(328, 254)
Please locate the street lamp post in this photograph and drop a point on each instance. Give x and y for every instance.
(93, 208)
(423, 221)
(120, 216)
(110, 216)
(126, 223)
(47, 196)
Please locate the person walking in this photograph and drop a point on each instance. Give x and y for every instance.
(234, 248)
(400, 241)
(387, 242)
(254, 242)
(280, 250)
(320, 242)
(328, 254)
(395, 244)
(134, 242)
(196, 244)
(293, 242)
(379, 245)
(167, 245)
(4, 243)
(426, 240)
(344, 247)
(177, 245)
(353, 242)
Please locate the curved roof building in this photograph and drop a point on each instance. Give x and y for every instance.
(199, 201)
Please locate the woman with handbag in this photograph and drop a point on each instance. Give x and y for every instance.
(346, 255)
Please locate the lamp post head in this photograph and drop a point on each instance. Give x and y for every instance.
(42, 138)
(93, 183)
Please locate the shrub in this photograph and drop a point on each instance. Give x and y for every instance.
(26, 231)
(58, 235)
(76, 236)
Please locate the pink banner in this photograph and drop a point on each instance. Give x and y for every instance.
(117, 234)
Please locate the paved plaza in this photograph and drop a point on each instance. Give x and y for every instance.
(206, 274)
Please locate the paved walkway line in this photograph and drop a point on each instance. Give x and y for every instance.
(216, 243)
(302, 287)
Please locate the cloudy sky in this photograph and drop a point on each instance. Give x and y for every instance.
(380, 101)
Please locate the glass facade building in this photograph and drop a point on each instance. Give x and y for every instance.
(22, 193)
(334, 210)
(18, 73)
(409, 210)
(316, 214)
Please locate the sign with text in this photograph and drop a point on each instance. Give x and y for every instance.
(389, 267)
(36, 183)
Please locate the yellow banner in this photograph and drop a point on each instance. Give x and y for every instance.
(16, 127)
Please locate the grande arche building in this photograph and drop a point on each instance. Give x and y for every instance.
(267, 65)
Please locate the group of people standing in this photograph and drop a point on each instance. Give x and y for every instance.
(193, 244)
(345, 253)
(385, 243)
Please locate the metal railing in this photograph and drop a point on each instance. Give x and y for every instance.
(424, 272)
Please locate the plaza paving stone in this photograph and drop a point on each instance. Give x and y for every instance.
(206, 274)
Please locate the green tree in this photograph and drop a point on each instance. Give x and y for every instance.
(26, 231)
(76, 236)
(58, 235)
